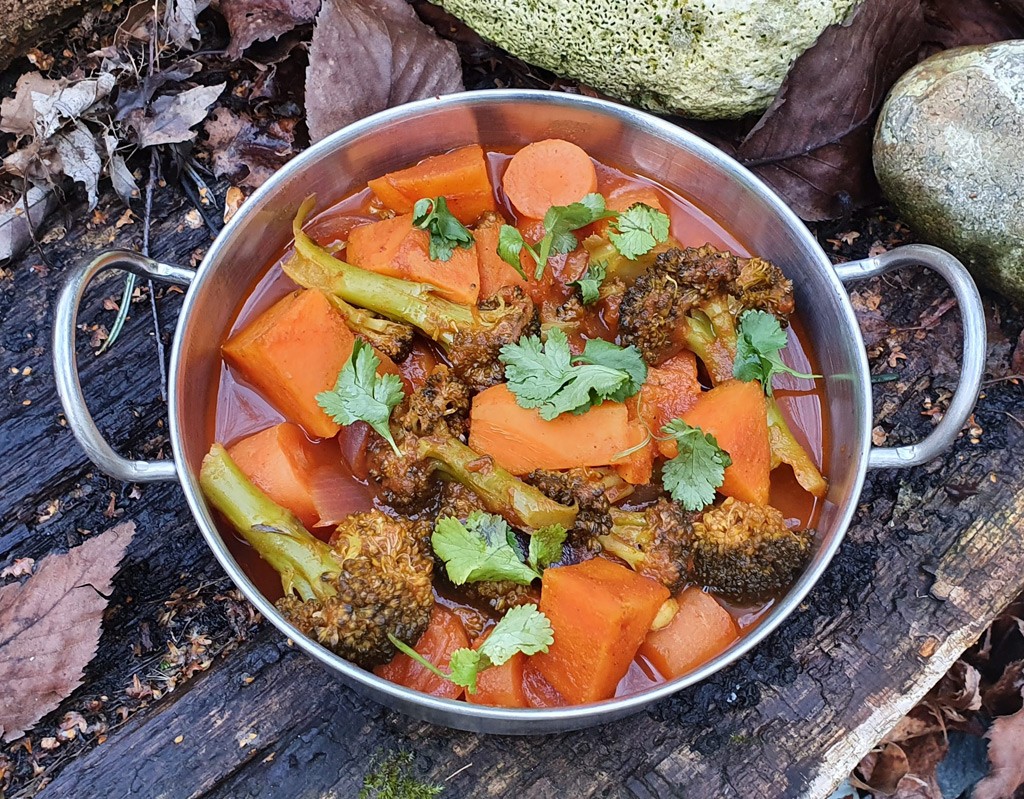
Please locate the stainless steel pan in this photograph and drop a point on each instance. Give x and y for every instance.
(614, 134)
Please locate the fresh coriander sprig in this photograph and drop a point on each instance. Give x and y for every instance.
(485, 548)
(693, 475)
(638, 230)
(559, 223)
(760, 338)
(523, 629)
(590, 284)
(547, 376)
(446, 232)
(361, 395)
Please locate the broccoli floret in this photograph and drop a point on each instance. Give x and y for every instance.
(427, 427)
(655, 542)
(585, 489)
(374, 578)
(745, 551)
(472, 337)
(459, 502)
(692, 298)
(394, 339)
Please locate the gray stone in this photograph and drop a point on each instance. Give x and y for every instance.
(701, 58)
(949, 154)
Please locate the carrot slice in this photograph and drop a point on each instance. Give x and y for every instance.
(500, 686)
(600, 613)
(495, 273)
(395, 248)
(443, 636)
(281, 462)
(459, 176)
(622, 197)
(546, 173)
(734, 412)
(520, 441)
(700, 630)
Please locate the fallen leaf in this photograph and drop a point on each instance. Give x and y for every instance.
(1005, 757)
(120, 175)
(173, 116)
(810, 142)
(50, 627)
(248, 152)
(954, 23)
(1003, 697)
(40, 107)
(79, 159)
(233, 200)
(180, 21)
(882, 770)
(19, 568)
(368, 55)
(252, 21)
(137, 97)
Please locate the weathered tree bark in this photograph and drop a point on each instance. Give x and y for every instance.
(29, 22)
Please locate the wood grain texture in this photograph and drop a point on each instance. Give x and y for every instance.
(933, 554)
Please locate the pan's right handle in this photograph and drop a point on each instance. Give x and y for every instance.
(65, 362)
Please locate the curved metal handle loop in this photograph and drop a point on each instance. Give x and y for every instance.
(972, 367)
(65, 363)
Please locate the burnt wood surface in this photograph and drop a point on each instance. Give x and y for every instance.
(933, 554)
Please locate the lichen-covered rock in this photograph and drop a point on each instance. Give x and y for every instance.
(709, 59)
(949, 155)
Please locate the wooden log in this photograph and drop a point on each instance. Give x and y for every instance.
(29, 23)
(789, 719)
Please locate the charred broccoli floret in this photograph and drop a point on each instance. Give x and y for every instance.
(585, 489)
(745, 551)
(692, 298)
(655, 542)
(374, 578)
(426, 428)
(471, 336)
(394, 339)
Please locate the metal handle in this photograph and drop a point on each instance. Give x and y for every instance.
(65, 363)
(972, 367)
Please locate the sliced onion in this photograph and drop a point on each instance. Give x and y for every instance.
(353, 440)
(337, 495)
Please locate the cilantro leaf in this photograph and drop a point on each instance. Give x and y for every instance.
(559, 223)
(510, 244)
(760, 338)
(693, 475)
(627, 359)
(446, 232)
(523, 629)
(361, 395)
(479, 550)
(545, 376)
(590, 284)
(638, 230)
(546, 546)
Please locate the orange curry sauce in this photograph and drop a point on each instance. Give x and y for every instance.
(240, 411)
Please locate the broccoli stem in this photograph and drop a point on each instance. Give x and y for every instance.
(786, 449)
(519, 503)
(413, 303)
(302, 560)
(394, 339)
(630, 531)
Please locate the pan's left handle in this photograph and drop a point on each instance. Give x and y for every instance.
(65, 362)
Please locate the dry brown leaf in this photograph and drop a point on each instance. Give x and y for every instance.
(882, 770)
(1003, 697)
(253, 21)
(248, 152)
(368, 55)
(50, 627)
(1006, 758)
(19, 568)
(173, 116)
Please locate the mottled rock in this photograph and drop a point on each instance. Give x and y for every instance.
(949, 155)
(709, 59)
